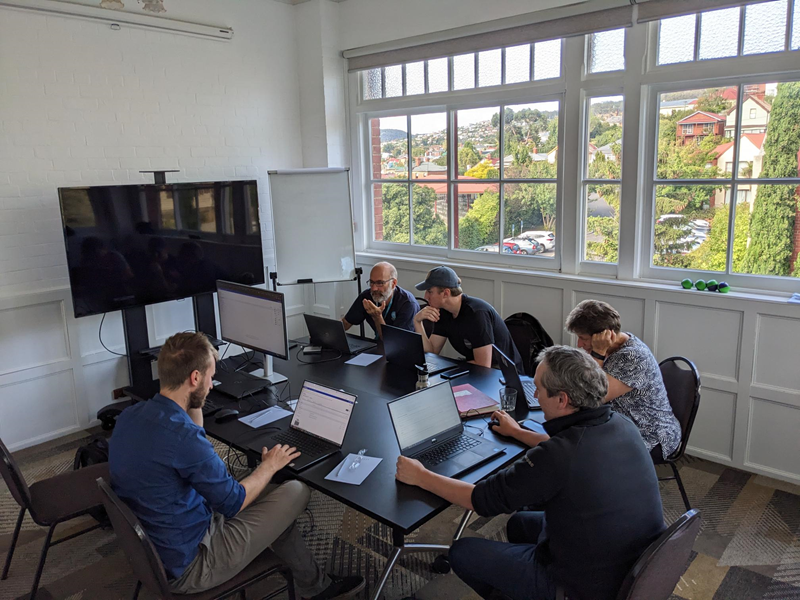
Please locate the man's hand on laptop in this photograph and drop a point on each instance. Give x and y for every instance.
(278, 457)
(506, 425)
(428, 313)
(409, 471)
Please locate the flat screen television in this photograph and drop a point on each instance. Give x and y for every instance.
(134, 245)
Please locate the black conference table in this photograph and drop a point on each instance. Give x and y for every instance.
(402, 507)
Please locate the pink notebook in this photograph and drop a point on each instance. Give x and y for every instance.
(471, 401)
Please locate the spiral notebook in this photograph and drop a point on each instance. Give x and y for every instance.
(471, 401)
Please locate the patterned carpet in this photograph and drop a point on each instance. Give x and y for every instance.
(749, 547)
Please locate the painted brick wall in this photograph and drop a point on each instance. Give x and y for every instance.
(81, 104)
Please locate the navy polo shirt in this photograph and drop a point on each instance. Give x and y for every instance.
(399, 311)
(167, 472)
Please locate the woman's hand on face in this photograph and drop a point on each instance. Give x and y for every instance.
(602, 341)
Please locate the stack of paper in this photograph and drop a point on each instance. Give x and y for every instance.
(265, 417)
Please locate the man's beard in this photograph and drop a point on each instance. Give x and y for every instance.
(381, 297)
(197, 398)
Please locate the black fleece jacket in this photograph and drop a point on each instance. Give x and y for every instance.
(597, 486)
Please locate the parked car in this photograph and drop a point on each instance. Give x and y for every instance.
(514, 248)
(527, 245)
(494, 248)
(546, 238)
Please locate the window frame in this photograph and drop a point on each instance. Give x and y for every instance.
(547, 90)
(647, 188)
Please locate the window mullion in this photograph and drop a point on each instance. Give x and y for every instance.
(410, 184)
(737, 133)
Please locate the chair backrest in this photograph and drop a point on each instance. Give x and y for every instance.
(656, 573)
(683, 391)
(141, 553)
(529, 337)
(14, 479)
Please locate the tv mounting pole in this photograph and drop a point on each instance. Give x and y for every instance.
(161, 176)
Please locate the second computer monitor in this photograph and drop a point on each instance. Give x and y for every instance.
(254, 318)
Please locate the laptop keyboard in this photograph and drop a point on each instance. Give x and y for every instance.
(530, 389)
(441, 453)
(303, 442)
(210, 407)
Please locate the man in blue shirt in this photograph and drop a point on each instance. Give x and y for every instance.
(384, 303)
(205, 525)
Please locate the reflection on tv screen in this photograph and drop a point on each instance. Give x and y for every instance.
(133, 245)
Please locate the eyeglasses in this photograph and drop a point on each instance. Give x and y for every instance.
(379, 282)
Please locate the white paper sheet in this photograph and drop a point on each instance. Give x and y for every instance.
(363, 360)
(265, 417)
(343, 474)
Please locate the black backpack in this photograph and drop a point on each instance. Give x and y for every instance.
(96, 451)
(529, 337)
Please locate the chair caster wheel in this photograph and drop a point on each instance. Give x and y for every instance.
(441, 565)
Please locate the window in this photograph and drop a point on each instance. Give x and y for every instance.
(494, 186)
(739, 31)
(602, 179)
(470, 167)
(607, 51)
(692, 219)
(503, 66)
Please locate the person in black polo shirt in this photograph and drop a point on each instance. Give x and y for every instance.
(384, 303)
(589, 479)
(472, 325)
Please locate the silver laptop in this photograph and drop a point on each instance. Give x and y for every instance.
(429, 429)
(522, 383)
(318, 426)
(404, 348)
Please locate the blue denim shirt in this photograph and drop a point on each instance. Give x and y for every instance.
(165, 469)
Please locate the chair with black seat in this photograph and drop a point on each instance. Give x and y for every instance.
(656, 572)
(149, 570)
(529, 337)
(682, 381)
(50, 502)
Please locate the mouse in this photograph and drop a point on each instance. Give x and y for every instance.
(494, 423)
(225, 415)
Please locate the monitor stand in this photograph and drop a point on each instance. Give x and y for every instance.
(267, 372)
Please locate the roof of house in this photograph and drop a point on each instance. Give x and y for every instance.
(757, 139)
(678, 103)
(701, 116)
(461, 188)
(428, 167)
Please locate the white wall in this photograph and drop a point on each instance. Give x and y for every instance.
(81, 104)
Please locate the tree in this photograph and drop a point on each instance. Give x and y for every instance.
(468, 157)
(712, 101)
(429, 229)
(712, 254)
(775, 206)
(481, 225)
(606, 229)
(483, 170)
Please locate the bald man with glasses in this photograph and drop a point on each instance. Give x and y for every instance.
(384, 303)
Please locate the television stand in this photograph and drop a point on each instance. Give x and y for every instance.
(267, 372)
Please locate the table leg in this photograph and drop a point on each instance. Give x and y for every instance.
(400, 548)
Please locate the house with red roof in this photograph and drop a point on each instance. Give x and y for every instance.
(751, 157)
(699, 125)
(755, 116)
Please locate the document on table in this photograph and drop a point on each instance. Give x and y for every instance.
(265, 417)
(344, 474)
(363, 360)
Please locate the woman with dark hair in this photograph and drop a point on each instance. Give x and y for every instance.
(635, 387)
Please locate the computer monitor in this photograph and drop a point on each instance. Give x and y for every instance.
(254, 318)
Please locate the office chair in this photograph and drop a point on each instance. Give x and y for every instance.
(149, 570)
(683, 391)
(657, 571)
(50, 502)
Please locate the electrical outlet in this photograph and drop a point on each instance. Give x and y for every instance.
(118, 393)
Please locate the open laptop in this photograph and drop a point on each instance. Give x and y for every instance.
(429, 429)
(404, 348)
(522, 383)
(317, 428)
(329, 333)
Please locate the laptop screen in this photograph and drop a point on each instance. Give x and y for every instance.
(323, 412)
(424, 414)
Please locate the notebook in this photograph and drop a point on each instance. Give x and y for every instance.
(471, 401)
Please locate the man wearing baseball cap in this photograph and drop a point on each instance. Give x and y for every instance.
(472, 325)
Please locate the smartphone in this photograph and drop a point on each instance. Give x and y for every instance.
(452, 375)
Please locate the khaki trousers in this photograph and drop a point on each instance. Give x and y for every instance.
(231, 544)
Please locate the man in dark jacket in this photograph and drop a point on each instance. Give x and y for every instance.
(589, 479)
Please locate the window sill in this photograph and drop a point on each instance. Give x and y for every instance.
(650, 284)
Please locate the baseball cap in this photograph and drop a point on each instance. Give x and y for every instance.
(442, 276)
